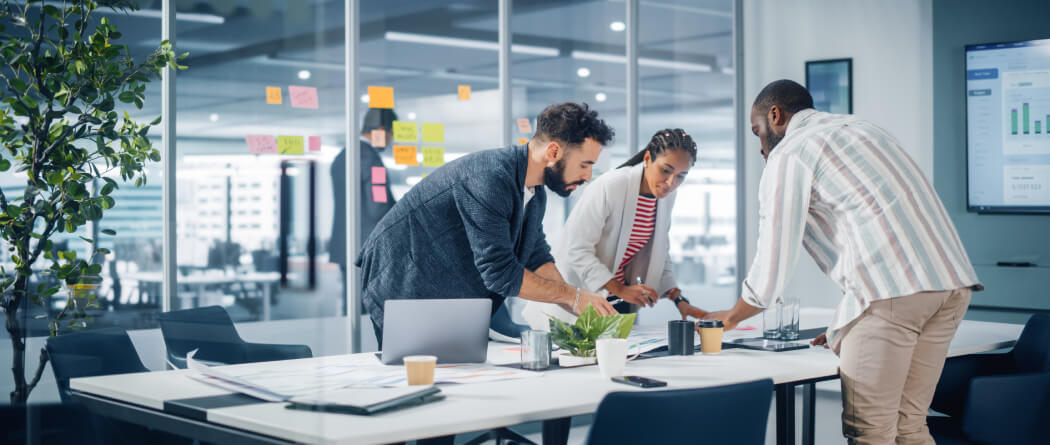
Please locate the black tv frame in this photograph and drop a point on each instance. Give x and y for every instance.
(989, 210)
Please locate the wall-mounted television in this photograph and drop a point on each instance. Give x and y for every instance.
(1007, 139)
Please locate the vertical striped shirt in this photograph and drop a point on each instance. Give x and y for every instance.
(844, 189)
(641, 231)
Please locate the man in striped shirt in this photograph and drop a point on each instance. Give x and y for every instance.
(844, 189)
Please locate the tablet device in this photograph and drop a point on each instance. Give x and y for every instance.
(367, 401)
(763, 344)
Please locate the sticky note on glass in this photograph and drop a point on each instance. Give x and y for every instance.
(290, 145)
(523, 141)
(405, 131)
(379, 175)
(379, 138)
(315, 143)
(433, 156)
(405, 155)
(434, 133)
(524, 126)
(379, 194)
(261, 144)
(464, 92)
(273, 95)
(380, 97)
(302, 97)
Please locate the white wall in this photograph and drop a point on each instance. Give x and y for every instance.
(890, 42)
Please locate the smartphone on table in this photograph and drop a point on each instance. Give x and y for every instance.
(643, 382)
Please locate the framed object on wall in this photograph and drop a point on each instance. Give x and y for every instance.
(830, 82)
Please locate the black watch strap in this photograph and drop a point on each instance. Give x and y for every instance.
(681, 299)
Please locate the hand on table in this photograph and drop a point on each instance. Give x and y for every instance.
(599, 302)
(821, 340)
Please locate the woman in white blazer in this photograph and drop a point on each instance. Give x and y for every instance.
(617, 234)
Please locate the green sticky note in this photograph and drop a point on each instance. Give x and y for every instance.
(433, 156)
(434, 133)
(405, 131)
(290, 145)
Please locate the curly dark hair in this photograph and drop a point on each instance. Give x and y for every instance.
(571, 123)
(786, 94)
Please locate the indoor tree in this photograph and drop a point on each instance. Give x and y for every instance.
(61, 78)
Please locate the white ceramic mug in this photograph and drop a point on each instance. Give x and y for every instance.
(612, 356)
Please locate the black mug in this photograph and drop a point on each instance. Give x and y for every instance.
(680, 337)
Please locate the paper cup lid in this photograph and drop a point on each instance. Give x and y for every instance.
(710, 324)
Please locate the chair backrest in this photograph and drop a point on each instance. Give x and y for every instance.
(91, 353)
(724, 414)
(208, 329)
(1032, 352)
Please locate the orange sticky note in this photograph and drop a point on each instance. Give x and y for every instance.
(273, 95)
(523, 141)
(405, 155)
(380, 97)
(379, 194)
(464, 92)
(315, 143)
(524, 126)
(378, 175)
(378, 138)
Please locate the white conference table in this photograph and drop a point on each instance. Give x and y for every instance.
(199, 282)
(147, 398)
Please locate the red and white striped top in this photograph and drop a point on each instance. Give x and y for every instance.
(641, 231)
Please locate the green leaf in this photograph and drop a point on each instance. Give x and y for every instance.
(109, 232)
(96, 269)
(88, 240)
(102, 251)
(4, 165)
(107, 203)
(107, 189)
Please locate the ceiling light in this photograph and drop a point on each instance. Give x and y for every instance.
(304, 74)
(364, 98)
(600, 97)
(583, 72)
(213, 117)
(425, 39)
(411, 116)
(618, 26)
(642, 61)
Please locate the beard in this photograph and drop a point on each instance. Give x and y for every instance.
(772, 139)
(554, 179)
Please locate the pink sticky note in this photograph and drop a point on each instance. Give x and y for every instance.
(379, 175)
(261, 144)
(315, 143)
(303, 97)
(379, 194)
(745, 328)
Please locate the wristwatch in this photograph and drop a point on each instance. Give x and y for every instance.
(680, 299)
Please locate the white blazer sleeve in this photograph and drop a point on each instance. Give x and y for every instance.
(583, 235)
(667, 281)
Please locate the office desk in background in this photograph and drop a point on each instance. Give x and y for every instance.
(200, 282)
(146, 398)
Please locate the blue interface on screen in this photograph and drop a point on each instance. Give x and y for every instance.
(1007, 112)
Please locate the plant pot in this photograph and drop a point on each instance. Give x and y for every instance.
(566, 360)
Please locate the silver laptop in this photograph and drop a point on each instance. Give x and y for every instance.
(454, 330)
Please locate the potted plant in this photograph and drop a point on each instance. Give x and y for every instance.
(577, 340)
(61, 78)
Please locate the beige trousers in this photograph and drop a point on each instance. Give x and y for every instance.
(891, 359)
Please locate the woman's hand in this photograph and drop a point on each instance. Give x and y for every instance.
(639, 294)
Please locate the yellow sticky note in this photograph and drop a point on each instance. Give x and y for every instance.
(380, 97)
(434, 133)
(290, 145)
(405, 155)
(273, 95)
(464, 92)
(405, 131)
(433, 156)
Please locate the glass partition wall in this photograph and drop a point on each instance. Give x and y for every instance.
(260, 135)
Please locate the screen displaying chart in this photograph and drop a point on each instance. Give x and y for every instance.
(1007, 113)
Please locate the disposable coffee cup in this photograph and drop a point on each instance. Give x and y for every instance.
(420, 369)
(710, 336)
(680, 337)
